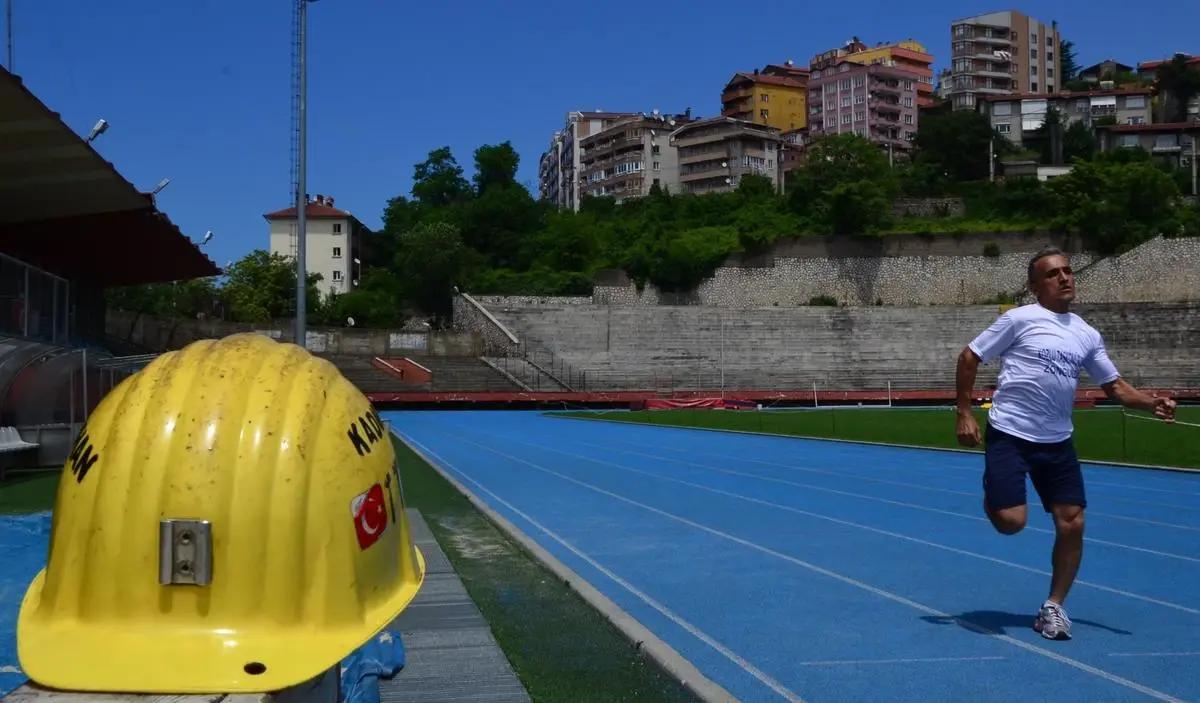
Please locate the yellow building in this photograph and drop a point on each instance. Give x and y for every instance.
(776, 96)
(909, 55)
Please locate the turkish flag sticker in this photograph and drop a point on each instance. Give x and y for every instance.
(370, 516)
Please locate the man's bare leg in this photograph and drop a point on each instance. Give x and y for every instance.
(1007, 521)
(1068, 550)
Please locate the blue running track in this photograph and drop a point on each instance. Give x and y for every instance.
(802, 570)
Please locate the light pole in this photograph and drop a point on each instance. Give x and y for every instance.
(301, 185)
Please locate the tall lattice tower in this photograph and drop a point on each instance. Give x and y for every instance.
(294, 134)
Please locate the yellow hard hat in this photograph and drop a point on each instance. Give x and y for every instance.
(229, 520)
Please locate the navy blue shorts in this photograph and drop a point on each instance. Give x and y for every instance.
(1053, 468)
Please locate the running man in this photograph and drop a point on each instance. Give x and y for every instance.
(1042, 347)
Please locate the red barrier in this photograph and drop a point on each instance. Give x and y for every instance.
(932, 396)
(403, 369)
(713, 403)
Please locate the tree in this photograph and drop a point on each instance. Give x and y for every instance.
(1178, 81)
(495, 165)
(846, 185)
(1067, 61)
(428, 265)
(953, 147)
(262, 287)
(438, 180)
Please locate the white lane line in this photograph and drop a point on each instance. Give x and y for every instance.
(920, 660)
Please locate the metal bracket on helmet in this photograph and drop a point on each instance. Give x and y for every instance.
(185, 552)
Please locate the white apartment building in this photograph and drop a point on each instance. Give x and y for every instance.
(629, 158)
(333, 245)
(559, 168)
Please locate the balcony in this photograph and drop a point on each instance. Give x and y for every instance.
(885, 86)
(994, 40)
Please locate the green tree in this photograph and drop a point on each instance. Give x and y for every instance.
(495, 164)
(953, 147)
(1068, 62)
(1117, 206)
(374, 302)
(430, 262)
(262, 287)
(438, 180)
(846, 186)
(1178, 81)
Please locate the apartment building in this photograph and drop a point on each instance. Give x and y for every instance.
(629, 158)
(715, 153)
(776, 96)
(558, 169)
(873, 101)
(908, 55)
(1177, 142)
(1015, 115)
(1001, 53)
(1104, 70)
(334, 245)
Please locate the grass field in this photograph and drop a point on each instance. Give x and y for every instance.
(28, 493)
(1101, 434)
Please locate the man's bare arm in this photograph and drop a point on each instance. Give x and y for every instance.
(968, 367)
(1121, 391)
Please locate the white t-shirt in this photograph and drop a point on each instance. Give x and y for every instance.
(1041, 353)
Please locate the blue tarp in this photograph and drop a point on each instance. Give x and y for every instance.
(23, 543)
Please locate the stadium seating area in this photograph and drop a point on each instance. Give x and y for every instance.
(448, 374)
(843, 348)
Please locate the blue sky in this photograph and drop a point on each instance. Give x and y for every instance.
(198, 90)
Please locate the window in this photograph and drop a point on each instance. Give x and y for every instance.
(1049, 71)
(337, 228)
(657, 166)
(846, 101)
(908, 102)
(1033, 70)
(846, 84)
(859, 99)
(337, 252)
(908, 119)
(846, 118)
(1128, 140)
(1004, 128)
(337, 275)
(765, 98)
(860, 81)
(1033, 86)
(1135, 120)
(1135, 102)
(1004, 108)
(860, 116)
(1033, 53)
(908, 85)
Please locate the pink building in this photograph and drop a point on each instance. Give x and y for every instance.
(875, 101)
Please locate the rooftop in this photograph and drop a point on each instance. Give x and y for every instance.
(65, 209)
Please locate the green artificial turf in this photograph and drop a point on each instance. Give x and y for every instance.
(1101, 434)
(28, 492)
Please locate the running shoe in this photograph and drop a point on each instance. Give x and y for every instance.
(1052, 622)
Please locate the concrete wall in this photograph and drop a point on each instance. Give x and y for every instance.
(160, 335)
(827, 347)
(911, 270)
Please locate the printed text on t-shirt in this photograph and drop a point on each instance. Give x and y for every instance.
(1060, 363)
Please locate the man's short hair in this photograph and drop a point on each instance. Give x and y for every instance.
(1043, 253)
